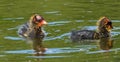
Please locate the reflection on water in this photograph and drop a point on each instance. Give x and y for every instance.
(39, 51)
(106, 43)
(43, 54)
(39, 58)
(38, 48)
(48, 51)
(85, 48)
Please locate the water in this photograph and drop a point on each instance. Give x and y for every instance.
(104, 51)
(62, 17)
(79, 20)
(64, 36)
(47, 38)
(47, 56)
(51, 51)
(13, 28)
(58, 23)
(48, 51)
(13, 38)
(89, 28)
(114, 21)
(19, 18)
(52, 12)
(2, 55)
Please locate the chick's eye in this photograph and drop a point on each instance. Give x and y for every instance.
(109, 23)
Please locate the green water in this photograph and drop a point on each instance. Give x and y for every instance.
(62, 17)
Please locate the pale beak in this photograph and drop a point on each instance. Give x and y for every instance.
(109, 28)
(43, 22)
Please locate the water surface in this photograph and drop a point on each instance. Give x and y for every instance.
(62, 18)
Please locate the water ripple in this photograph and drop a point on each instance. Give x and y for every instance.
(48, 51)
(19, 18)
(97, 20)
(46, 38)
(58, 23)
(102, 51)
(47, 56)
(13, 38)
(89, 28)
(58, 37)
(2, 55)
(52, 12)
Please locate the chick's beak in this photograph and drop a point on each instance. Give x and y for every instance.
(110, 26)
(43, 22)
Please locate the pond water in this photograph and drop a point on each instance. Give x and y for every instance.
(62, 18)
(66, 50)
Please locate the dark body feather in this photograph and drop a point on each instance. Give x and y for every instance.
(84, 34)
(31, 33)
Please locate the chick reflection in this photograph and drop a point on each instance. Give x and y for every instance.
(106, 43)
(39, 48)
